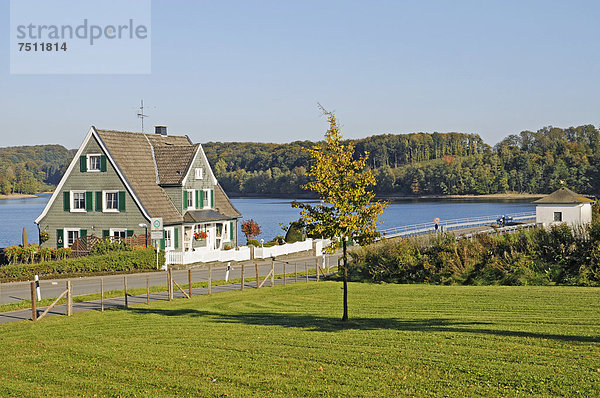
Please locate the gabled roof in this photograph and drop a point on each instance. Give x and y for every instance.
(203, 216)
(144, 162)
(173, 162)
(563, 196)
(133, 154)
(223, 205)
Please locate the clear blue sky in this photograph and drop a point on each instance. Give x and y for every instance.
(255, 70)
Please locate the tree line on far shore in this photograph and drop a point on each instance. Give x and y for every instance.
(427, 164)
(404, 164)
(32, 169)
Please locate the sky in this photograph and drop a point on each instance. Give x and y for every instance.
(256, 70)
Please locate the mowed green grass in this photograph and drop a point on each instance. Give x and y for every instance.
(402, 340)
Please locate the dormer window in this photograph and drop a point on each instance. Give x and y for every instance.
(199, 173)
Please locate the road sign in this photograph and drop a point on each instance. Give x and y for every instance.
(156, 224)
(436, 220)
(156, 228)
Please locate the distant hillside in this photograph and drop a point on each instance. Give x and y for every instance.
(32, 169)
(405, 164)
(427, 164)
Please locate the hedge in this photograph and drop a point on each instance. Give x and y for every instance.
(119, 261)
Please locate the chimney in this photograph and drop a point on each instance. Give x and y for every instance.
(162, 130)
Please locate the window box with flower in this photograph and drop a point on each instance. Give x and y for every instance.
(199, 235)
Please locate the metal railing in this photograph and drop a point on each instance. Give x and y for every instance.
(422, 228)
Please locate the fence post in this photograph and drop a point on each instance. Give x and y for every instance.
(257, 281)
(209, 278)
(69, 299)
(243, 281)
(284, 270)
(317, 268)
(170, 286)
(147, 289)
(272, 273)
(33, 303)
(190, 281)
(125, 288)
(306, 270)
(101, 294)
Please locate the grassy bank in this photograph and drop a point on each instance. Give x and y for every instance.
(287, 341)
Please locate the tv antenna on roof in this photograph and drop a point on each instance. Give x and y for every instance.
(140, 113)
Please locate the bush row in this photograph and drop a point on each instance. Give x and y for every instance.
(558, 255)
(117, 261)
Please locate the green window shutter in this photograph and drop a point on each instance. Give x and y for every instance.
(231, 230)
(98, 200)
(212, 198)
(201, 202)
(176, 237)
(121, 200)
(197, 199)
(82, 233)
(105, 233)
(82, 164)
(102, 163)
(162, 241)
(89, 205)
(60, 241)
(185, 193)
(130, 232)
(66, 201)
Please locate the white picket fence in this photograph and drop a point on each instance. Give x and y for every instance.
(243, 252)
(265, 252)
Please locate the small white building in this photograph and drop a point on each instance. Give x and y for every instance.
(563, 206)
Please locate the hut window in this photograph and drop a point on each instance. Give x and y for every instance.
(558, 216)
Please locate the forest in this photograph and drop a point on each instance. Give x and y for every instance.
(427, 163)
(412, 164)
(32, 169)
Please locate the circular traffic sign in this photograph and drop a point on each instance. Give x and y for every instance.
(156, 224)
(436, 220)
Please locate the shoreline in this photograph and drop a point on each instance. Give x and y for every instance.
(495, 196)
(18, 196)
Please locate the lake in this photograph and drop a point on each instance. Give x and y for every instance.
(270, 213)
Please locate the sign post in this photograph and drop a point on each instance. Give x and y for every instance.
(156, 233)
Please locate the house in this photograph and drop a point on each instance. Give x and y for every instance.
(563, 206)
(120, 180)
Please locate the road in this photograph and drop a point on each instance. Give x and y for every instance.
(18, 291)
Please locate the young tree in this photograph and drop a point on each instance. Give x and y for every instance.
(342, 183)
(251, 229)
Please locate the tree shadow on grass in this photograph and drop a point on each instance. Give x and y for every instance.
(334, 324)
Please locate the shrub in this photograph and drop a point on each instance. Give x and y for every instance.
(107, 245)
(45, 254)
(294, 232)
(12, 253)
(120, 261)
(254, 242)
(62, 253)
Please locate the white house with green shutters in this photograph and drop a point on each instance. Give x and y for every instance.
(120, 180)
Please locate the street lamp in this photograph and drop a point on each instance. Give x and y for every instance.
(145, 226)
(261, 242)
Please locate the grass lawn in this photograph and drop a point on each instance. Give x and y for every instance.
(287, 341)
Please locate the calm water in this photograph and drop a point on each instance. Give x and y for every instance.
(269, 213)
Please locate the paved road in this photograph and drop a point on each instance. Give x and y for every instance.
(17, 291)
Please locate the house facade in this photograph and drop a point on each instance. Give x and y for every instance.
(563, 206)
(118, 181)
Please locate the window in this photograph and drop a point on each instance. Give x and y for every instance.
(226, 232)
(111, 201)
(118, 233)
(169, 239)
(199, 173)
(77, 201)
(206, 199)
(558, 216)
(93, 162)
(190, 199)
(72, 235)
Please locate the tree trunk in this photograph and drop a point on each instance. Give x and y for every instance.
(345, 316)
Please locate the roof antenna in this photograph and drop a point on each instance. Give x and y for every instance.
(140, 114)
